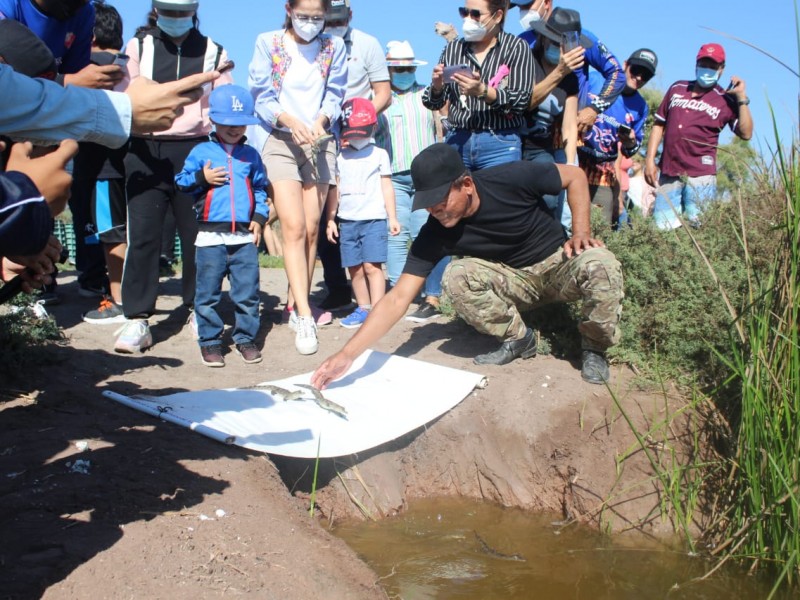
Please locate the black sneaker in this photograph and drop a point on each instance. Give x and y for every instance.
(426, 312)
(92, 289)
(108, 313)
(249, 353)
(337, 300)
(508, 351)
(595, 368)
(212, 356)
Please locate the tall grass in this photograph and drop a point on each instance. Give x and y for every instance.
(763, 516)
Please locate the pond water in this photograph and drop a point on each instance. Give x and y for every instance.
(449, 548)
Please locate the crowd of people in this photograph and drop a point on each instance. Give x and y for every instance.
(480, 182)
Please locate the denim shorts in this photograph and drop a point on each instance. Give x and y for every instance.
(363, 242)
(688, 196)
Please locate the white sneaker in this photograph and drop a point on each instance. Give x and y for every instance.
(133, 337)
(305, 339)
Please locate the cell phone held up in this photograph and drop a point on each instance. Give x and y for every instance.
(624, 132)
(451, 70)
(226, 66)
(121, 59)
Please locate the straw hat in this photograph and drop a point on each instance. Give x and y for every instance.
(401, 54)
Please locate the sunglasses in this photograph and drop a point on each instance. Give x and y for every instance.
(640, 72)
(404, 69)
(472, 13)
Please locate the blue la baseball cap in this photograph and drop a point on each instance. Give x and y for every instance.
(232, 105)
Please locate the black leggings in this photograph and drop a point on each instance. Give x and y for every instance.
(151, 166)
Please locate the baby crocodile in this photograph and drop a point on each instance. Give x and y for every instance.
(487, 549)
(279, 392)
(315, 150)
(323, 402)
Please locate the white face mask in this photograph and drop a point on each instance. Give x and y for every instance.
(337, 31)
(473, 30)
(359, 143)
(529, 17)
(307, 30)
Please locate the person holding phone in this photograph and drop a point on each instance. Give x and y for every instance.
(689, 121)
(172, 49)
(619, 129)
(486, 76)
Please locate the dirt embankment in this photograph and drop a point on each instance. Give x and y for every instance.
(157, 511)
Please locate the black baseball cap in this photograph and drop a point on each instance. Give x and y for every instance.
(433, 171)
(561, 21)
(24, 52)
(338, 11)
(646, 58)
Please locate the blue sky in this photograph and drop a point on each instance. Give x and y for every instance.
(672, 28)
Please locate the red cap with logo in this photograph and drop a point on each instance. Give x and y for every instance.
(358, 118)
(713, 51)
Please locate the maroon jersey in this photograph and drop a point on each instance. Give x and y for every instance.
(692, 126)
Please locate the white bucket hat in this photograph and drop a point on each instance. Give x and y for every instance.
(176, 4)
(401, 54)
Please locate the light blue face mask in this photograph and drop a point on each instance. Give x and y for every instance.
(403, 81)
(175, 27)
(552, 54)
(707, 77)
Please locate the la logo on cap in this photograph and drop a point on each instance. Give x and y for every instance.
(236, 105)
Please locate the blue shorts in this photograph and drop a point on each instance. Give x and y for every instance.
(363, 242)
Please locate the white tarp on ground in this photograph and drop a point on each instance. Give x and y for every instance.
(385, 396)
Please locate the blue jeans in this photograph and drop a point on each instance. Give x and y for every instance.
(410, 224)
(688, 196)
(481, 149)
(240, 264)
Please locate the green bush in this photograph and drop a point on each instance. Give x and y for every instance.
(24, 339)
(673, 308)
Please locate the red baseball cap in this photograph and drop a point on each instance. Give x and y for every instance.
(713, 51)
(358, 118)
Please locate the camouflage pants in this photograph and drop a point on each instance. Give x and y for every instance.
(490, 296)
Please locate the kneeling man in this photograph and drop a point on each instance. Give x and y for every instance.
(513, 256)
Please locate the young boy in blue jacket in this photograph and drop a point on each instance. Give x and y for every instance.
(229, 183)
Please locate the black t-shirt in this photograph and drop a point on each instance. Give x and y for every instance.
(542, 120)
(512, 224)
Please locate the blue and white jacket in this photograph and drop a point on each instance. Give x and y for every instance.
(25, 219)
(232, 206)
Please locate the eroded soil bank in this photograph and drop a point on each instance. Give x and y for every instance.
(163, 512)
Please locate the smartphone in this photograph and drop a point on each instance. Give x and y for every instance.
(121, 59)
(451, 70)
(623, 131)
(225, 67)
(730, 87)
(570, 40)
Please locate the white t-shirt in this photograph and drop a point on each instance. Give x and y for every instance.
(360, 194)
(303, 82)
(218, 238)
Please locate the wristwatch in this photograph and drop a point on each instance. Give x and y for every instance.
(744, 102)
(485, 91)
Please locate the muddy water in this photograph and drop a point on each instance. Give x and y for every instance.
(461, 549)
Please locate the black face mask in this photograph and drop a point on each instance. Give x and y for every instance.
(61, 10)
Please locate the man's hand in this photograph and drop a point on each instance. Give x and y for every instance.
(571, 61)
(98, 77)
(331, 370)
(48, 172)
(215, 176)
(580, 242)
(651, 173)
(738, 88)
(586, 119)
(255, 229)
(35, 269)
(157, 105)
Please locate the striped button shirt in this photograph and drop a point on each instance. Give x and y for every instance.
(513, 92)
(406, 128)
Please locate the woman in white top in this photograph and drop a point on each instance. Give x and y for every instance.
(298, 78)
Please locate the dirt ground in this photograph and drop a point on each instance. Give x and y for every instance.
(150, 510)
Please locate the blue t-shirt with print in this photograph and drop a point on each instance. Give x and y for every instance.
(631, 110)
(70, 41)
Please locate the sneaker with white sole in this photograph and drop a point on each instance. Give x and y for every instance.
(133, 337)
(108, 313)
(321, 317)
(355, 319)
(426, 312)
(305, 339)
